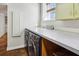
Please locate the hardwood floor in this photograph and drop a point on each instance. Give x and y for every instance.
(4, 52)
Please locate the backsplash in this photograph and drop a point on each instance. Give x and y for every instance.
(67, 24)
(47, 24)
(70, 25)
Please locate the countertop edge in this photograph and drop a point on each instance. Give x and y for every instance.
(59, 43)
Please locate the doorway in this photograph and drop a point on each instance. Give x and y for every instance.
(3, 26)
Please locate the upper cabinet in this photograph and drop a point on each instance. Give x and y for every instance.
(76, 10)
(64, 11)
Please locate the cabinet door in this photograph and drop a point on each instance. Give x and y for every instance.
(76, 10)
(64, 11)
(44, 53)
(15, 23)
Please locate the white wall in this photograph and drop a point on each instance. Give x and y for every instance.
(30, 17)
(2, 24)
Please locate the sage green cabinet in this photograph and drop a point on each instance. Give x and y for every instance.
(76, 10)
(64, 11)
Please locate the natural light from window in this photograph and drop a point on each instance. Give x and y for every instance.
(49, 11)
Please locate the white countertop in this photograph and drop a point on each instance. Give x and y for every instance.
(67, 40)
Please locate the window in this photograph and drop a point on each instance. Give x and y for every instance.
(49, 11)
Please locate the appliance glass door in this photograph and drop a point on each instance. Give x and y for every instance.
(31, 48)
(34, 44)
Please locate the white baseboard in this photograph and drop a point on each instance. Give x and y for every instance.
(16, 47)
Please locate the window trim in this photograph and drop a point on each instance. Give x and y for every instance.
(48, 11)
(52, 9)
